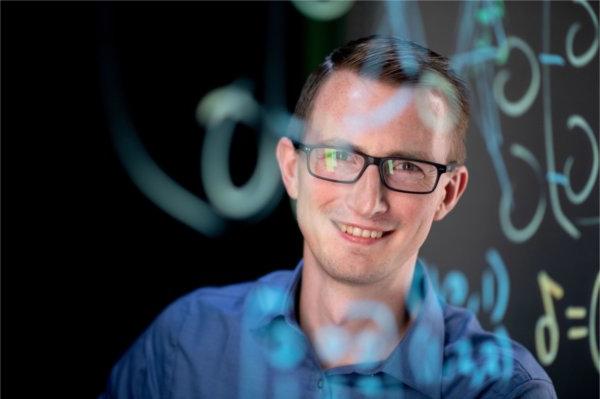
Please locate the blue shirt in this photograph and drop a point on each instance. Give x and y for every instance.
(244, 341)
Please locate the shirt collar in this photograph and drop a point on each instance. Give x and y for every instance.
(274, 296)
(416, 361)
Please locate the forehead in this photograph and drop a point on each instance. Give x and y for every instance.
(378, 117)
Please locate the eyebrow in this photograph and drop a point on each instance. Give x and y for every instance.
(398, 154)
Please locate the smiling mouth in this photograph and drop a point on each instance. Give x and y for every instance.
(358, 232)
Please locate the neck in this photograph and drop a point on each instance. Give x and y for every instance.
(377, 308)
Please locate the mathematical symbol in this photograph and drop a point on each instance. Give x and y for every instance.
(576, 313)
(577, 332)
(551, 59)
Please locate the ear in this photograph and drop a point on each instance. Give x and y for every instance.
(453, 189)
(287, 158)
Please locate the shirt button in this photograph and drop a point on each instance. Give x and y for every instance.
(320, 383)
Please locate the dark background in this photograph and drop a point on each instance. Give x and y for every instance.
(88, 261)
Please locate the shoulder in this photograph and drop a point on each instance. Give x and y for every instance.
(216, 304)
(488, 364)
(230, 298)
(193, 333)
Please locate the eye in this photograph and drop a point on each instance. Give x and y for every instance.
(342, 155)
(408, 166)
(402, 166)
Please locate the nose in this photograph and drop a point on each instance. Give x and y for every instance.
(366, 196)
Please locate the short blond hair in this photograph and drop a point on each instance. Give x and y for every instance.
(395, 61)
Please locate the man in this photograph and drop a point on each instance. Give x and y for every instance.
(380, 158)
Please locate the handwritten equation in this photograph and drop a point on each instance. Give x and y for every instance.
(547, 330)
(490, 89)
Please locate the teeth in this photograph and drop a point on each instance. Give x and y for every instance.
(358, 232)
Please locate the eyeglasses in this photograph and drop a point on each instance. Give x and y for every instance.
(398, 174)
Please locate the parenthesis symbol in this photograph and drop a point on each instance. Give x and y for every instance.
(593, 329)
(506, 202)
(578, 198)
(499, 268)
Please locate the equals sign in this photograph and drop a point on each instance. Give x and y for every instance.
(576, 313)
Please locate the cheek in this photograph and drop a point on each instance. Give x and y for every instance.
(416, 212)
(313, 197)
(317, 193)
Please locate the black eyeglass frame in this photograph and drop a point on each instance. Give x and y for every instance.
(370, 160)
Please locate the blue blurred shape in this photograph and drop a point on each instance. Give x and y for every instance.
(558, 178)
(455, 288)
(287, 346)
(370, 386)
(551, 59)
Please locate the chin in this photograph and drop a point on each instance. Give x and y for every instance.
(355, 274)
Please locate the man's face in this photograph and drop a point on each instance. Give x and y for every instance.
(351, 110)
